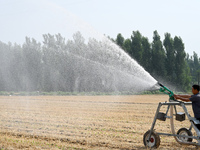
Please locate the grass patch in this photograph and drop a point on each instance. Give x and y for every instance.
(62, 93)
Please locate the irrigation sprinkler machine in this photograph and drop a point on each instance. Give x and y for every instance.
(183, 136)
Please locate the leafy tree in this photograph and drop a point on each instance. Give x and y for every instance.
(179, 60)
(54, 59)
(170, 57)
(158, 57)
(147, 54)
(49, 59)
(16, 68)
(136, 46)
(187, 78)
(196, 60)
(5, 64)
(3, 47)
(120, 40)
(32, 57)
(127, 46)
(194, 64)
(196, 74)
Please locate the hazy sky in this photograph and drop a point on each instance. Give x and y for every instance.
(32, 18)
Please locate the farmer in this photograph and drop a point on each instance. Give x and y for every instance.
(195, 99)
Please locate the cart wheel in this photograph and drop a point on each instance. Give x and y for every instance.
(186, 132)
(154, 141)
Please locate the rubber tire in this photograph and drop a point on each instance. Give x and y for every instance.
(154, 140)
(184, 131)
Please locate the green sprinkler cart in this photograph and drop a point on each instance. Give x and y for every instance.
(183, 136)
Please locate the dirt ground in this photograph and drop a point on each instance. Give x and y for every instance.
(82, 122)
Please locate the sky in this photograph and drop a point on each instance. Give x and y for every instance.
(93, 18)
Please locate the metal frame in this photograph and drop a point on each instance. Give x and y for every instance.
(172, 104)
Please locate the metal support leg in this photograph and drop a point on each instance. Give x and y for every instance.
(154, 121)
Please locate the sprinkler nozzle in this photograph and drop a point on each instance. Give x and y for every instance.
(160, 84)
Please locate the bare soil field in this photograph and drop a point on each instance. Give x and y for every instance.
(82, 122)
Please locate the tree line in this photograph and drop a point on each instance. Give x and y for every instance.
(165, 60)
(60, 65)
